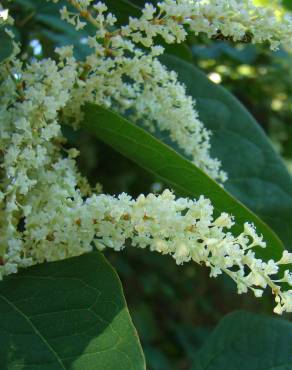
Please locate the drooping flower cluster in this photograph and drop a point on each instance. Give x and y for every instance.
(46, 210)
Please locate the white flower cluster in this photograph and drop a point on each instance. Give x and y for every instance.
(240, 20)
(46, 210)
(121, 76)
(31, 161)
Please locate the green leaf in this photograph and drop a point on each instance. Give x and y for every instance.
(6, 46)
(244, 341)
(156, 157)
(257, 175)
(245, 55)
(287, 4)
(123, 9)
(67, 315)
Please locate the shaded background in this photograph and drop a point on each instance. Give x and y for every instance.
(174, 307)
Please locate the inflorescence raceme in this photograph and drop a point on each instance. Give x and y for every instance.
(48, 211)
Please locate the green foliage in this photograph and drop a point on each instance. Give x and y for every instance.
(6, 46)
(287, 4)
(67, 315)
(123, 9)
(244, 341)
(184, 176)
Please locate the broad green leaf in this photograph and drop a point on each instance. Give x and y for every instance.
(245, 341)
(6, 46)
(257, 175)
(156, 157)
(67, 315)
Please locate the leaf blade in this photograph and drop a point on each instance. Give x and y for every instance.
(67, 315)
(244, 341)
